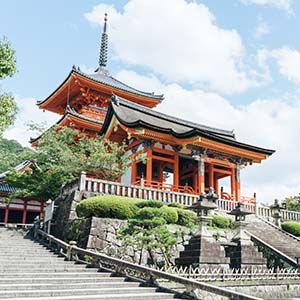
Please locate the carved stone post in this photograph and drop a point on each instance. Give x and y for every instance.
(82, 181)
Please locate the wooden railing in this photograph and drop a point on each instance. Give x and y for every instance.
(168, 195)
(165, 186)
(126, 268)
(135, 191)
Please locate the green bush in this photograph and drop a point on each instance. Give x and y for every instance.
(176, 205)
(291, 227)
(107, 206)
(186, 217)
(148, 213)
(169, 214)
(221, 222)
(149, 203)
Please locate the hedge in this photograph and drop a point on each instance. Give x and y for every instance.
(108, 206)
(221, 222)
(169, 214)
(186, 217)
(291, 227)
(176, 205)
(149, 203)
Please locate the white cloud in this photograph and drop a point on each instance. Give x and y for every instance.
(287, 60)
(280, 4)
(269, 123)
(28, 111)
(262, 29)
(179, 41)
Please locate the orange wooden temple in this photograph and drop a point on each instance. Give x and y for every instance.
(181, 156)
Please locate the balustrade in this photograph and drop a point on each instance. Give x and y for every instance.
(169, 194)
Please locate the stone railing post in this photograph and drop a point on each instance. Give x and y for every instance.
(82, 181)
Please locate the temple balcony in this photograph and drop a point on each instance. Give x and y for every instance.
(167, 193)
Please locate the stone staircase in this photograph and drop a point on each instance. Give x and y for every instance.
(275, 237)
(29, 271)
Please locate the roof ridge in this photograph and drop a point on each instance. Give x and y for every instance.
(172, 118)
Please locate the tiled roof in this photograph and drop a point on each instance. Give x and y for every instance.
(4, 187)
(106, 79)
(19, 167)
(137, 116)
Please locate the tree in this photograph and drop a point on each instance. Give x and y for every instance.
(8, 107)
(61, 154)
(147, 232)
(12, 154)
(292, 203)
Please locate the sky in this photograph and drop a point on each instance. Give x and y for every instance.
(231, 64)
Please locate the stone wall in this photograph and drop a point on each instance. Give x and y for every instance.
(101, 235)
(268, 290)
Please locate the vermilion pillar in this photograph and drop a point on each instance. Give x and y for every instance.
(24, 212)
(201, 173)
(211, 175)
(6, 214)
(149, 164)
(233, 183)
(176, 169)
(238, 182)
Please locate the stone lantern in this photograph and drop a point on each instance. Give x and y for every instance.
(243, 254)
(240, 213)
(276, 208)
(206, 203)
(202, 249)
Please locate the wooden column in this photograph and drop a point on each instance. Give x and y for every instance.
(238, 182)
(176, 169)
(6, 213)
(149, 164)
(133, 169)
(42, 210)
(160, 171)
(24, 212)
(201, 174)
(210, 175)
(216, 186)
(233, 184)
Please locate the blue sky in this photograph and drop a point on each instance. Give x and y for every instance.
(231, 64)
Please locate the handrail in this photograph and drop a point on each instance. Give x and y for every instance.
(278, 228)
(284, 256)
(123, 266)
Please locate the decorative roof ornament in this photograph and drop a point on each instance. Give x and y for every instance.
(103, 49)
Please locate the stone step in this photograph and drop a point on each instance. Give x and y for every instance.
(144, 296)
(49, 274)
(46, 269)
(66, 285)
(66, 292)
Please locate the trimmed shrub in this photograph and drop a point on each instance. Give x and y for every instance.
(186, 217)
(221, 222)
(107, 206)
(291, 227)
(176, 205)
(169, 214)
(149, 203)
(148, 213)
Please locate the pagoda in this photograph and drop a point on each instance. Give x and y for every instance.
(181, 156)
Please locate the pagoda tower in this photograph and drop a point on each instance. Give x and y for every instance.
(82, 99)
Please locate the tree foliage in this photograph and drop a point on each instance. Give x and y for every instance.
(61, 154)
(147, 232)
(8, 107)
(292, 203)
(12, 154)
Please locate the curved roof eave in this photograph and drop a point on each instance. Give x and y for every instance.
(122, 86)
